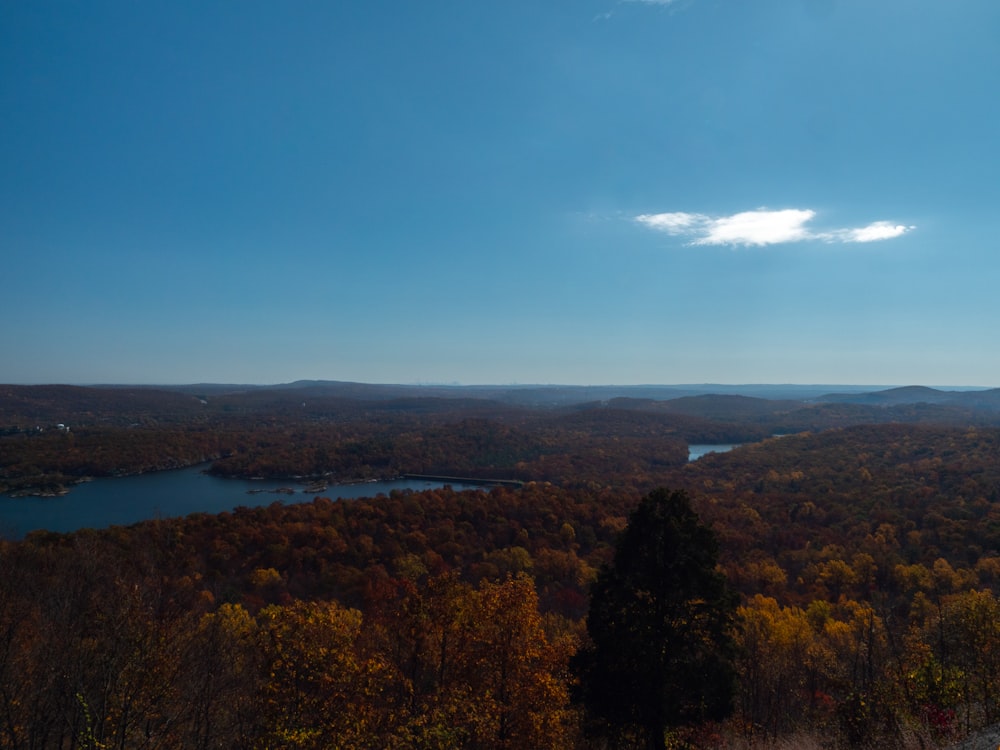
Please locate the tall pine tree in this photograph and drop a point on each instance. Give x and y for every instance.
(660, 624)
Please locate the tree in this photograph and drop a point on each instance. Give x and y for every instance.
(660, 624)
(516, 676)
(321, 689)
(775, 666)
(474, 667)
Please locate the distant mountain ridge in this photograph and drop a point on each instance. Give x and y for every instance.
(918, 394)
(527, 394)
(782, 408)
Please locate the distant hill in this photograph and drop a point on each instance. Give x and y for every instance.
(779, 408)
(730, 407)
(915, 394)
(529, 394)
(46, 405)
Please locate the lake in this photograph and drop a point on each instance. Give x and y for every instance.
(120, 501)
(697, 451)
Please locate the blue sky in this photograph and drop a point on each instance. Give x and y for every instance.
(574, 191)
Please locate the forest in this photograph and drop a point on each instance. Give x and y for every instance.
(852, 589)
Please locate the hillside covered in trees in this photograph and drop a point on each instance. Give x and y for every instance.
(860, 539)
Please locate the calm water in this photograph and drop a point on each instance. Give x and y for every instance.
(697, 451)
(125, 500)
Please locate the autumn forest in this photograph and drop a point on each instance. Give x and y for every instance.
(833, 581)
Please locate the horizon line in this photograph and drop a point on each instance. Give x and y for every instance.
(515, 384)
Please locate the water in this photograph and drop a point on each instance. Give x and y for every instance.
(121, 501)
(697, 451)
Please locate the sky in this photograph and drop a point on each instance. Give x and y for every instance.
(496, 192)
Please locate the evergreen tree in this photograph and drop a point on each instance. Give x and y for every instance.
(660, 624)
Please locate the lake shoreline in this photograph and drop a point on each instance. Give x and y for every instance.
(125, 500)
(312, 481)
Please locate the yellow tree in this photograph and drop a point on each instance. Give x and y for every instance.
(518, 680)
(473, 667)
(221, 679)
(320, 690)
(965, 640)
(775, 646)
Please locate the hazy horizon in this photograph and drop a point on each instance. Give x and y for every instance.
(454, 384)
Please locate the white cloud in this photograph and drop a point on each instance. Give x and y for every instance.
(878, 230)
(758, 228)
(762, 227)
(674, 223)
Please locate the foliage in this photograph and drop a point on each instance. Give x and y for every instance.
(867, 559)
(118, 660)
